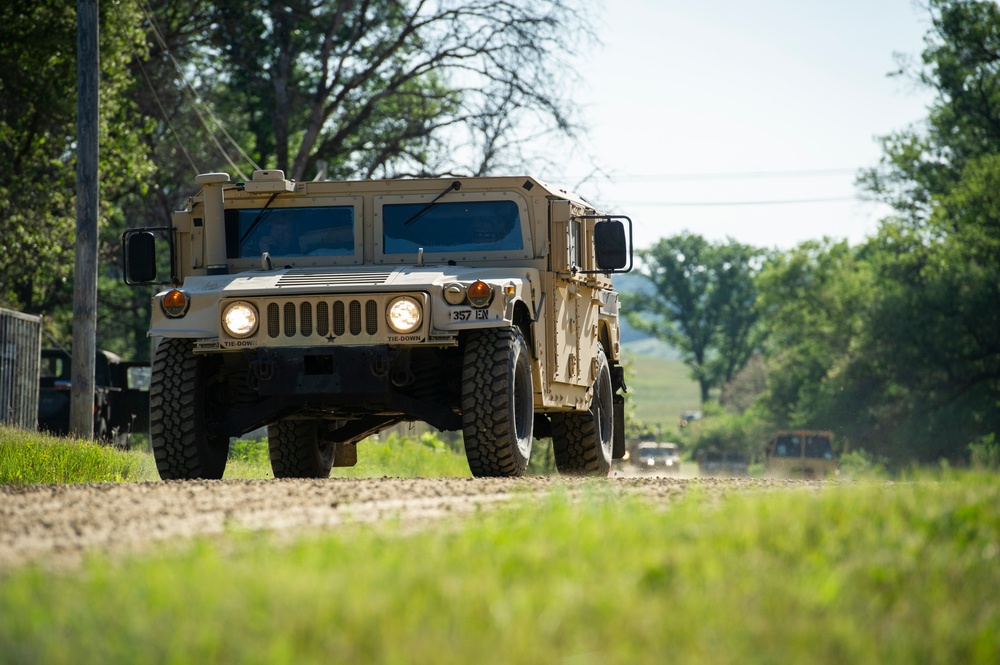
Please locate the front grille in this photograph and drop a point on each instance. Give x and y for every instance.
(305, 319)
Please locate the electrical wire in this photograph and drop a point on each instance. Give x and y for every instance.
(736, 175)
(695, 204)
(166, 117)
(198, 102)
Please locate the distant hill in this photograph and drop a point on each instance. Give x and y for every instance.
(660, 389)
(660, 384)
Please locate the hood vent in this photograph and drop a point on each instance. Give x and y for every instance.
(327, 277)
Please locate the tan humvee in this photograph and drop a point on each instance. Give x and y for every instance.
(329, 311)
(801, 453)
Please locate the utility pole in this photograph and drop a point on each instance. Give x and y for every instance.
(85, 275)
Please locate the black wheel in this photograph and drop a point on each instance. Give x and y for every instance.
(497, 402)
(582, 442)
(297, 451)
(178, 422)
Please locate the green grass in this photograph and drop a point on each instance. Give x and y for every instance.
(406, 457)
(659, 389)
(863, 573)
(32, 457)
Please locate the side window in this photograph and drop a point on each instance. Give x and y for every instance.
(574, 248)
(52, 367)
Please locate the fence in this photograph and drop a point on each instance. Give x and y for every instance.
(20, 365)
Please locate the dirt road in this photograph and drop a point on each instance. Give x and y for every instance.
(58, 524)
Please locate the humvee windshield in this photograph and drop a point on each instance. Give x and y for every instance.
(451, 227)
(316, 231)
(818, 446)
(788, 446)
(795, 446)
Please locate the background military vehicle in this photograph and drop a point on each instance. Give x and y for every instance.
(121, 397)
(801, 453)
(329, 311)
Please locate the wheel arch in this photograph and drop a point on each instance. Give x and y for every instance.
(521, 318)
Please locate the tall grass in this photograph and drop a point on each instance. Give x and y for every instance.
(32, 457)
(863, 573)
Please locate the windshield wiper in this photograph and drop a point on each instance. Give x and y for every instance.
(258, 218)
(453, 186)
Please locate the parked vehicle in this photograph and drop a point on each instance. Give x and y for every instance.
(801, 453)
(121, 396)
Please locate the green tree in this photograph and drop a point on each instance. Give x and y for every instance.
(813, 302)
(391, 87)
(37, 133)
(701, 301)
(928, 356)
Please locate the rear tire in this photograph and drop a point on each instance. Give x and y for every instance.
(178, 424)
(497, 402)
(296, 450)
(583, 441)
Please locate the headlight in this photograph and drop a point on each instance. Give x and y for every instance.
(175, 303)
(404, 314)
(240, 319)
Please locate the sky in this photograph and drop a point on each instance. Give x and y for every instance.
(709, 117)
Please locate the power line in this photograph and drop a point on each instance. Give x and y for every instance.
(726, 175)
(737, 175)
(692, 204)
(198, 102)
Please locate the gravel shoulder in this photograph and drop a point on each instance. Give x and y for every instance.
(57, 525)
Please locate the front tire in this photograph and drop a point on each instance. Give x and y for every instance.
(178, 422)
(582, 442)
(296, 450)
(497, 402)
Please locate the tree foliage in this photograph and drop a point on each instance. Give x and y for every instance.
(701, 301)
(371, 88)
(37, 141)
(932, 344)
(896, 344)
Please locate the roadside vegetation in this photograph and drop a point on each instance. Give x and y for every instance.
(33, 457)
(898, 572)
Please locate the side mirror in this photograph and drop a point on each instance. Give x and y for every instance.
(140, 257)
(611, 248)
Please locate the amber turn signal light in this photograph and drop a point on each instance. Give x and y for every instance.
(175, 303)
(480, 293)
